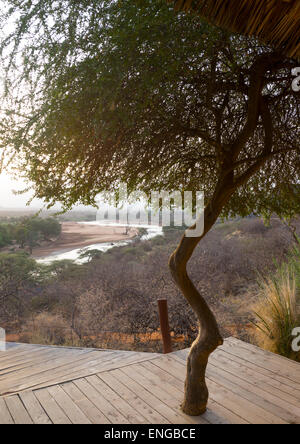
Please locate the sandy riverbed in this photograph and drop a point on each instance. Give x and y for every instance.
(77, 235)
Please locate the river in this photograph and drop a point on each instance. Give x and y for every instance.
(74, 255)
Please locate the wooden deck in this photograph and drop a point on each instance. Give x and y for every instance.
(44, 385)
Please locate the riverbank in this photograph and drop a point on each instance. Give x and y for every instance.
(76, 235)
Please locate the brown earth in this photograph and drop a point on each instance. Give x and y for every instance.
(77, 235)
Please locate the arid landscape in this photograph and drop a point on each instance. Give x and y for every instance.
(181, 120)
(111, 300)
(78, 235)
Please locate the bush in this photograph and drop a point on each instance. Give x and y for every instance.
(294, 265)
(27, 231)
(277, 311)
(47, 329)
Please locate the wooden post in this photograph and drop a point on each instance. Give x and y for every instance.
(164, 325)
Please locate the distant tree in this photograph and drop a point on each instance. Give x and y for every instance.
(110, 91)
(16, 273)
(21, 235)
(90, 254)
(27, 231)
(32, 239)
(48, 227)
(5, 235)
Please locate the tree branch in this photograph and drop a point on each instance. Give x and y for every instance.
(195, 132)
(257, 78)
(268, 144)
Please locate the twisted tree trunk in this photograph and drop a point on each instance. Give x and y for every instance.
(209, 337)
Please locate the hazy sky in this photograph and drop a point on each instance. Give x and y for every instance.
(8, 199)
(7, 184)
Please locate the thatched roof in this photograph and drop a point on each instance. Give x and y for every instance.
(275, 22)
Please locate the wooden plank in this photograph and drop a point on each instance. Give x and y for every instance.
(241, 406)
(270, 364)
(151, 415)
(16, 361)
(34, 408)
(132, 415)
(222, 412)
(171, 415)
(215, 414)
(85, 405)
(88, 368)
(233, 402)
(251, 393)
(30, 360)
(161, 378)
(111, 413)
(85, 365)
(17, 354)
(151, 384)
(246, 384)
(277, 381)
(72, 411)
(101, 363)
(265, 361)
(53, 410)
(17, 410)
(263, 378)
(52, 373)
(266, 391)
(182, 354)
(293, 366)
(248, 375)
(160, 384)
(12, 346)
(92, 367)
(52, 365)
(53, 361)
(5, 416)
(257, 396)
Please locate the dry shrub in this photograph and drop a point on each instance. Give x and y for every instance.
(277, 315)
(48, 329)
(118, 309)
(118, 291)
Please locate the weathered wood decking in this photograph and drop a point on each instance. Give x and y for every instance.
(44, 385)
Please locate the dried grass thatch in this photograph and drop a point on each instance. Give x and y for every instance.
(275, 22)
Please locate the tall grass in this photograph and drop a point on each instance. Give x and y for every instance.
(294, 266)
(277, 311)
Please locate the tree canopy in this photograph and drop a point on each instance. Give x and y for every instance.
(111, 91)
(27, 231)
